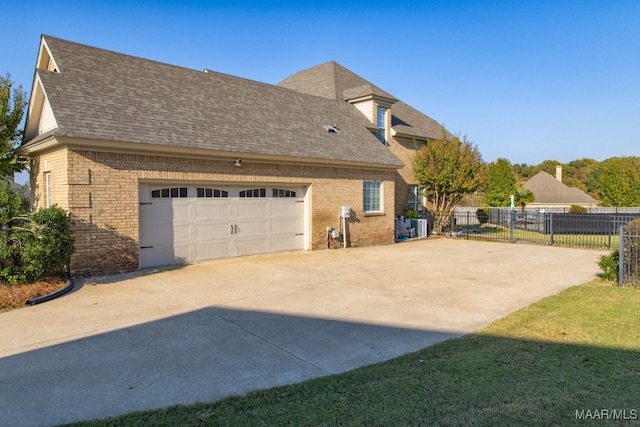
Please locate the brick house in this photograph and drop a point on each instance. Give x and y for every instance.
(552, 193)
(400, 127)
(160, 164)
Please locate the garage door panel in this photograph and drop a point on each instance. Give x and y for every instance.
(211, 231)
(164, 214)
(252, 228)
(182, 252)
(286, 225)
(212, 211)
(285, 208)
(249, 246)
(187, 229)
(156, 235)
(211, 250)
(161, 256)
(286, 243)
(252, 209)
(181, 211)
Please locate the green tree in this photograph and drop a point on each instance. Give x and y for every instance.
(549, 166)
(584, 173)
(12, 107)
(32, 245)
(522, 197)
(524, 171)
(500, 183)
(620, 181)
(447, 169)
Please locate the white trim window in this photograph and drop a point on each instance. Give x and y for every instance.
(414, 198)
(381, 123)
(371, 196)
(47, 180)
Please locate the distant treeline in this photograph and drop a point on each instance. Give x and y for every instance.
(614, 182)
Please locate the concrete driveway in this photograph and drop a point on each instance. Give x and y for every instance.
(202, 332)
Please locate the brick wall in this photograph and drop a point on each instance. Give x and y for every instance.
(405, 151)
(101, 191)
(54, 163)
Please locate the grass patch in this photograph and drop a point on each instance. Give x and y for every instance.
(575, 351)
(599, 241)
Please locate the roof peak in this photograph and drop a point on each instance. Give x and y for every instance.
(333, 80)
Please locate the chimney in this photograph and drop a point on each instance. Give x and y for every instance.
(559, 173)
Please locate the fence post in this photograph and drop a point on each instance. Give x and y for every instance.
(512, 224)
(621, 257)
(551, 228)
(467, 228)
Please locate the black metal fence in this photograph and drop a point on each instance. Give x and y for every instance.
(629, 248)
(593, 230)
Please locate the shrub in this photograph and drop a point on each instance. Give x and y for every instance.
(483, 215)
(12, 202)
(32, 245)
(411, 214)
(577, 209)
(609, 265)
(49, 247)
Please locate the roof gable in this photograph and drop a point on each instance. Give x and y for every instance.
(332, 80)
(548, 189)
(104, 95)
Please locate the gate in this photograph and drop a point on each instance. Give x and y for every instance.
(629, 255)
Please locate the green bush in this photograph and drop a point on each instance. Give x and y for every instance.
(609, 265)
(32, 245)
(411, 214)
(577, 209)
(483, 215)
(49, 247)
(12, 202)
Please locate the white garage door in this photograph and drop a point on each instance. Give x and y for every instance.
(181, 223)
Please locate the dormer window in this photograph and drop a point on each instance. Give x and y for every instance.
(381, 123)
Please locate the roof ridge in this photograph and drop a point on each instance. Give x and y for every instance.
(139, 58)
(334, 71)
(204, 71)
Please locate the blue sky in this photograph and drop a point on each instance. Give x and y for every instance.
(524, 80)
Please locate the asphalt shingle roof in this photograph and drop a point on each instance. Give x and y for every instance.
(547, 189)
(100, 94)
(332, 80)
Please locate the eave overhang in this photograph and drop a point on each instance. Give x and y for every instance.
(49, 142)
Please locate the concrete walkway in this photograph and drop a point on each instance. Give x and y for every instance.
(202, 332)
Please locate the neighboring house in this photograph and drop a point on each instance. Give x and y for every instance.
(550, 192)
(160, 164)
(398, 126)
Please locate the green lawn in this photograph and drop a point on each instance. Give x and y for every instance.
(575, 352)
(528, 235)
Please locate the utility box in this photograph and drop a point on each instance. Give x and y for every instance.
(346, 212)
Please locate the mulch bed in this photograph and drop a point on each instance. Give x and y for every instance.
(16, 296)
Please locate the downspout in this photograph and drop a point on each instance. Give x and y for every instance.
(48, 297)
